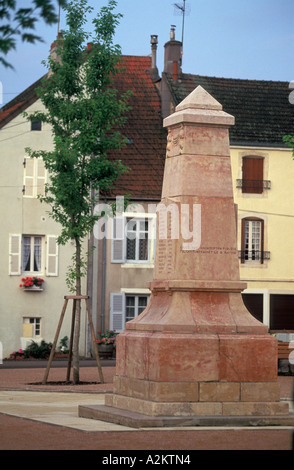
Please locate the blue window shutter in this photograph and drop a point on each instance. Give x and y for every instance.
(117, 312)
(118, 240)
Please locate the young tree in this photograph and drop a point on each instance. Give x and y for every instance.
(84, 111)
(20, 22)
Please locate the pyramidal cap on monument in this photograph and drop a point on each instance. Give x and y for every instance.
(195, 351)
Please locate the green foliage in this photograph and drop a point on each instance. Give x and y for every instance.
(38, 351)
(76, 271)
(106, 337)
(18, 22)
(289, 140)
(63, 345)
(85, 112)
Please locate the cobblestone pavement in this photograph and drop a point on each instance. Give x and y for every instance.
(44, 417)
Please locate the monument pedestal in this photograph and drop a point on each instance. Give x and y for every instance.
(195, 356)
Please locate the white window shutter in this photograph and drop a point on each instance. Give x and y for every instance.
(29, 176)
(118, 240)
(117, 312)
(52, 256)
(41, 177)
(15, 254)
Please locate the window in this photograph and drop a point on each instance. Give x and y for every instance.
(31, 327)
(36, 125)
(34, 177)
(125, 307)
(137, 240)
(252, 175)
(32, 254)
(133, 240)
(252, 241)
(135, 304)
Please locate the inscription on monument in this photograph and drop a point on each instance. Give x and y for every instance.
(165, 248)
(165, 257)
(214, 250)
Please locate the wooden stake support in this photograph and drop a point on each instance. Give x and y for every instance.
(66, 299)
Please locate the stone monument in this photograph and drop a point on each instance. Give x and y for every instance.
(195, 356)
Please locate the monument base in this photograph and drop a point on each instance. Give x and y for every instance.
(194, 379)
(139, 420)
(208, 379)
(144, 404)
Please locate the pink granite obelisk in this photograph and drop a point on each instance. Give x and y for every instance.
(196, 351)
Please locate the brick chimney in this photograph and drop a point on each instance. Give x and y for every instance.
(53, 50)
(173, 55)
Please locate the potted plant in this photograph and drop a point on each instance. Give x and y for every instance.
(63, 350)
(17, 354)
(106, 343)
(31, 283)
(38, 350)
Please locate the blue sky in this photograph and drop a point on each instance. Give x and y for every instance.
(251, 39)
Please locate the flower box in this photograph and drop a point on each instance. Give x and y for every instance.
(32, 283)
(33, 289)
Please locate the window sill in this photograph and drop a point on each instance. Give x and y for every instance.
(33, 289)
(138, 265)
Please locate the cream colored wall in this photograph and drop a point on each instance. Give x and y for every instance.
(22, 215)
(275, 207)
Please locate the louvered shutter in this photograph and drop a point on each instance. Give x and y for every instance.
(29, 167)
(15, 254)
(117, 312)
(118, 240)
(41, 174)
(52, 256)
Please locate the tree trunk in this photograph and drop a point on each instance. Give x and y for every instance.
(76, 365)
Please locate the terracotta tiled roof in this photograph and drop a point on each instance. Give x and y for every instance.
(145, 152)
(19, 104)
(8, 111)
(263, 114)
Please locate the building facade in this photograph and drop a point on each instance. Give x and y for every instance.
(262, 172)
(123, 260)
(29, 237)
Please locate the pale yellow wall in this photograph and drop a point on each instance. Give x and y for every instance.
(21, 215)
(275, 207)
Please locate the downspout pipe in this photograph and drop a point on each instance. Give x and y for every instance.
(103, 284)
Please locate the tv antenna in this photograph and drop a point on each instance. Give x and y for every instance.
(183, 9)
(58, 21)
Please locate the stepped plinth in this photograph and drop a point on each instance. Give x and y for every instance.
(195, 356)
